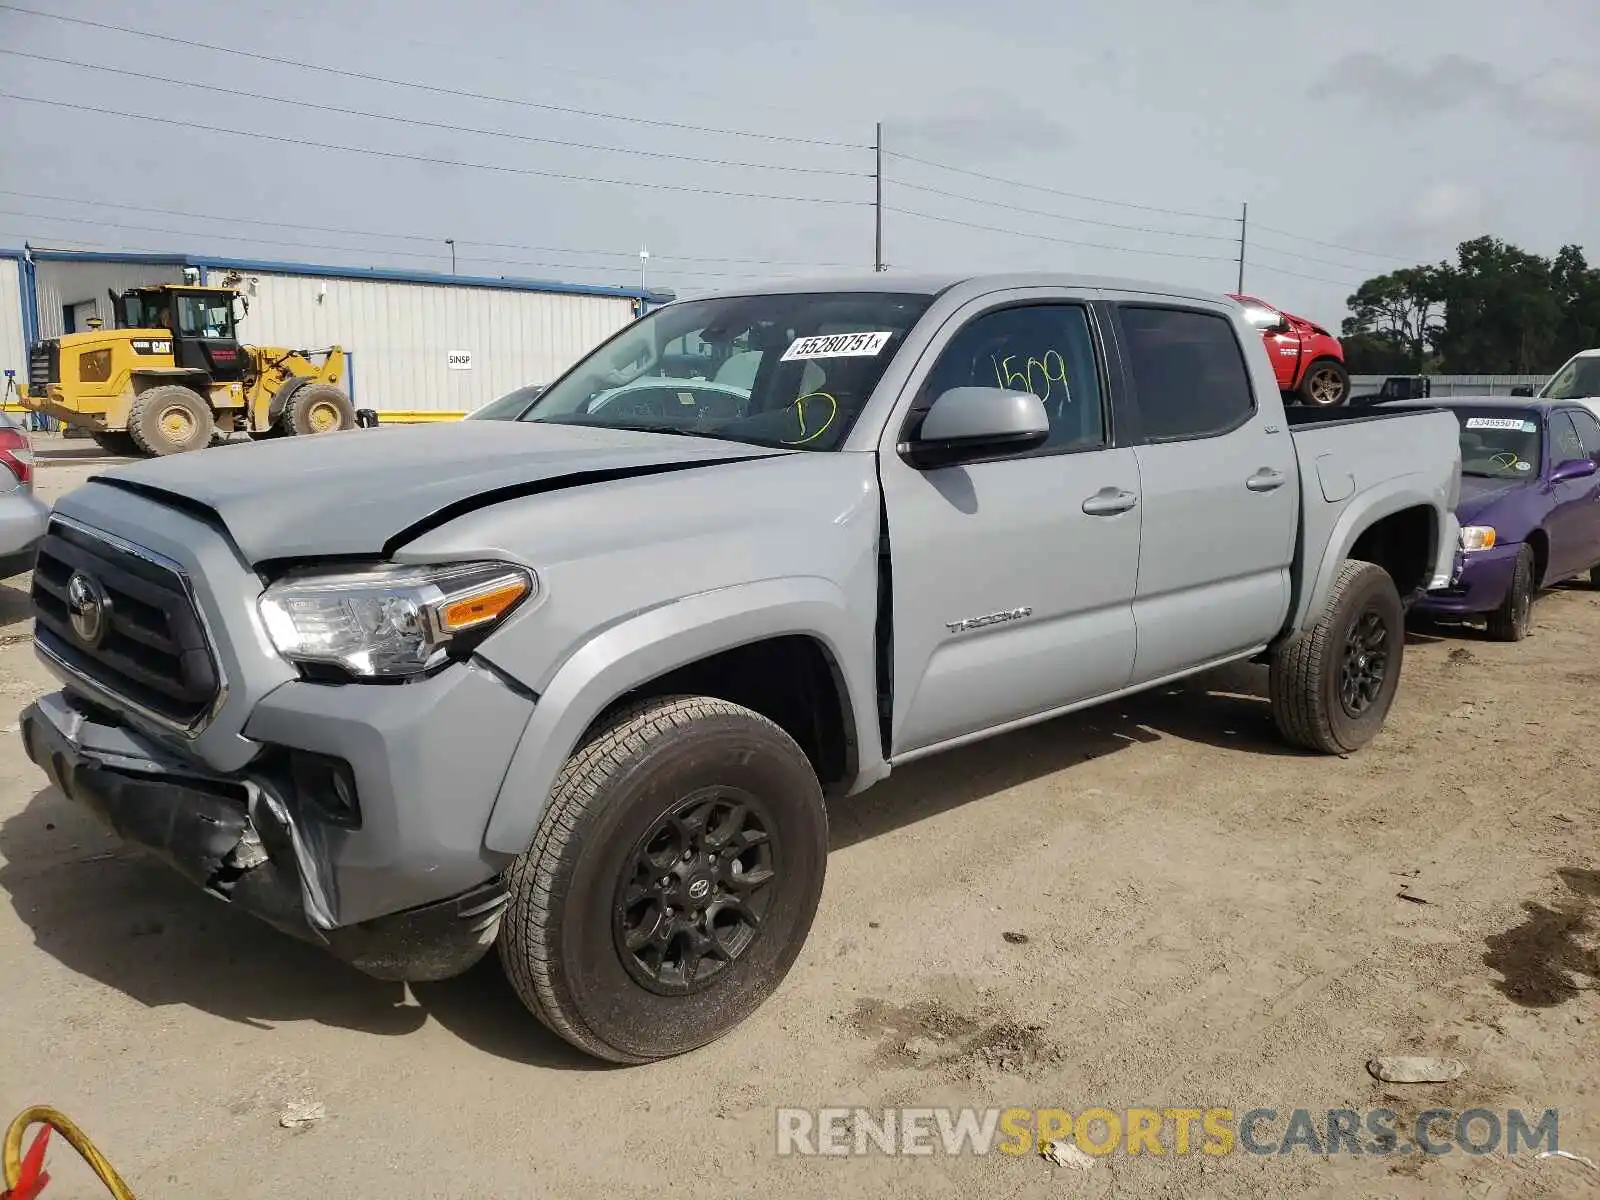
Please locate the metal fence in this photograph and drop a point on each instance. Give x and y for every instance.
(1457, 385)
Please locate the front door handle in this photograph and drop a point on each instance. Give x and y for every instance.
(1109, 501)
(1265, 480)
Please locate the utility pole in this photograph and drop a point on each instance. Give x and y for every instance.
(451, 242)
(1244, 223)
(877, 203)
(644, 257)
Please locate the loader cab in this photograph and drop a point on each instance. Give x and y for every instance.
(202, 322)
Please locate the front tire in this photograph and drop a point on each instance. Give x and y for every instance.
(672, 881)
(1513, 620)
(1332, 685)
(317, 408)
(170, 419)
(1326, 384)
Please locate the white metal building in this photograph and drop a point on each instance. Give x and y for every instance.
(69, 292)
(13, 320)
(420, 346)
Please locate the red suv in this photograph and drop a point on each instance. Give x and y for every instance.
(1307, 359)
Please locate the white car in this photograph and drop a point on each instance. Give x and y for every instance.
(1578, 380)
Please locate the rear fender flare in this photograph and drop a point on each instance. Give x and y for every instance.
(647, 646)
(1360, 513)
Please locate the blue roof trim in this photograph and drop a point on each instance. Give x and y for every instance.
(383, 274)
(154, 260)
(503, 283)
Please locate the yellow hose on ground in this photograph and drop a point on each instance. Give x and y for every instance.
(75, 1137)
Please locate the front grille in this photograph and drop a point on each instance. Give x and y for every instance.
(44, 365)
(152, 652)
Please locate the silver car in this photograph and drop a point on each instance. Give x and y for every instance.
(22, 514)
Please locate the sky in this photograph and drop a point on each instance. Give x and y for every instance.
(734, 140)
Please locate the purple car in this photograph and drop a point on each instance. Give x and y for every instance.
(1529, 509)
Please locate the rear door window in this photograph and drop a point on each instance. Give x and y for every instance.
(1189, 373)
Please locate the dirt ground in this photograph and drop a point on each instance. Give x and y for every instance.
(1206, 920)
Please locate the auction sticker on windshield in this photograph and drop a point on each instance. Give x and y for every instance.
(1501, 423)
(837, 345)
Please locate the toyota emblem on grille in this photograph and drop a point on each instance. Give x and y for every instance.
(88, 605)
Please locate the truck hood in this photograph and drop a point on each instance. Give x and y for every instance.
(366, 492)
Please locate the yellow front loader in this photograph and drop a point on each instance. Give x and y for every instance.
(173, 377)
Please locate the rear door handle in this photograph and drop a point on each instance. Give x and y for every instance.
(1109, 501)
(1265, 480)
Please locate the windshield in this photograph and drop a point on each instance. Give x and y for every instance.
(203, 316)
(1579, 379)
(790, 370)
(509, 407)
(1499, 443)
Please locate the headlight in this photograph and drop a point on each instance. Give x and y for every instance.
(389, 622)
(1477, 537)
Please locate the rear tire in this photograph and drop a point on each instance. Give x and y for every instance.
(317, 408)
(1332, 685)
(608, 917)
(1326, 384)
(115, 442)
(1513, 620)
(170, 420)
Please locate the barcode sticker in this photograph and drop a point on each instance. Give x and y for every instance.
(1516, 423)
(837, 345)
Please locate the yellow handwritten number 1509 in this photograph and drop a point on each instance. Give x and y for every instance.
(1052, 370)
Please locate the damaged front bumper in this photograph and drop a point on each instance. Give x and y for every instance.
(238, 838)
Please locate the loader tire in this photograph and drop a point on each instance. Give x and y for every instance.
(115, 442)
(317, 408)
(170, 420)
(1332, 684)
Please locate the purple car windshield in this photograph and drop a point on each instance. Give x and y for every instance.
(1499, 443)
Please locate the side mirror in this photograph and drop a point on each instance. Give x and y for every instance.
(1574, 468)
(1523, 390)
(975, 422)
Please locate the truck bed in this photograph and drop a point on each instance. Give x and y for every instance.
(1345, 460)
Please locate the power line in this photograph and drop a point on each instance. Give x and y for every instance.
(424, 158)
(1326, 262)
(1332, 245)
(1209, 237)
(675, 86)
(1039, 187)
(377, 116)
(1044, 237)
(671, 272)
(1174, 212)
(430, 238)
(1298, 275)
(360, 250)
(221, 237)
(429, 87)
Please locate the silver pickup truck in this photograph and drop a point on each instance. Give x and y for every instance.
(583, 683)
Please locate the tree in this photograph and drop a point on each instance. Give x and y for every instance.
(1398, 313)
(1502, 314)
(1497, 309)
